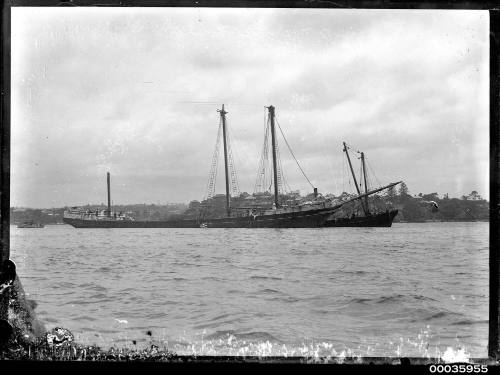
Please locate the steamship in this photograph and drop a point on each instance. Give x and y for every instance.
(320, 212)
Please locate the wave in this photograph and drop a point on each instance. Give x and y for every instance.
(395, 298)
(65, 284)
(265, 278)
(468, 322)
(390, 299)
(157, 315)
(321, 312)
(359, 272)
(361, 301)
(253, 336)
(50, 320)
(218, 320)
(104, 269)
(126, 290)
(277, 295)
(85, 318)
(269, 291)
(438, 315)
(220, 317)
(93, 287)
(182, 263)
(100, 330)
(76, 302)
(441, 315)
(424, 298)
(213, 278)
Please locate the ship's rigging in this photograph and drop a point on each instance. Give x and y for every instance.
(264, 180)
(232, 185)
(270, 179)
(270, 175)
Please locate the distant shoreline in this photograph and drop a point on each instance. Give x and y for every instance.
(395, 222)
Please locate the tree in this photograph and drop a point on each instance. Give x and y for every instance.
(391, 192)
(403, 190)
(474, 195)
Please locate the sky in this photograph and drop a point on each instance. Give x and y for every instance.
(135, 92)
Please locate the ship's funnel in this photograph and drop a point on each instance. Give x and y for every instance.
(315, 192)
(109, 197)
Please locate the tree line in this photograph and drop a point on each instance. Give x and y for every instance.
(411, 208)
(425, 207)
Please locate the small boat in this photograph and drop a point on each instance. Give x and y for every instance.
(30, 224)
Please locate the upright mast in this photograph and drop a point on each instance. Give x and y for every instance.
(109, 196)
(275, 169)
(353, 174)
(226, 165)
(364, 178)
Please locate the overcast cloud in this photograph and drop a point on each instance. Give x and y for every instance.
(97, 90)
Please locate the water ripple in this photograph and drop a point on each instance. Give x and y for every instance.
(265, 291)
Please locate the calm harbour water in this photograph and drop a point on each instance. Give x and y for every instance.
(409, 290)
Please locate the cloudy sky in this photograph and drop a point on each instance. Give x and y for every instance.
(135, 92)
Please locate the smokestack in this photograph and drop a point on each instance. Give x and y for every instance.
(109, 197)
(315, 192)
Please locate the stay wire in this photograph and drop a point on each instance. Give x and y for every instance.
(260, 181)
(232, 158)
(371, 169)
(291, 152)
(212, 177)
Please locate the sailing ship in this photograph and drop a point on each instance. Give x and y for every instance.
(316, 213)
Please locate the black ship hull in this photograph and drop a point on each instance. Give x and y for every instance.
(315, 218)
(375, 220)
(89, 223)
